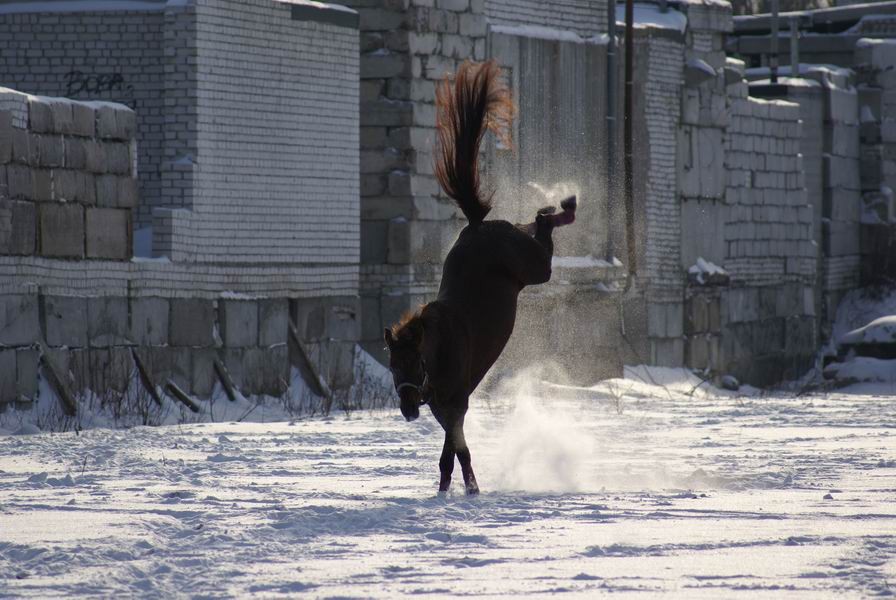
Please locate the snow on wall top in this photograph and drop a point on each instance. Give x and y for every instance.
(85, 6)
(649, 15)
(547, 33)
(878, 331)
(117, 5)
(320, 5)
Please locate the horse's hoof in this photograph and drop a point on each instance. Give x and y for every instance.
(472, 491)
(569, 203)
(547, 210)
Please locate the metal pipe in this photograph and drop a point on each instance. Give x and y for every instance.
(611, 125)
(794, 47)
(627, 141)
(773, 58)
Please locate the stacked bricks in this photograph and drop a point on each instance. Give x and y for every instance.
(111, 55)
(768, 230)
(69, 179)
(877, 126)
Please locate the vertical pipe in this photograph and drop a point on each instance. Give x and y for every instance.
(773, 58)
(627, 142)
(794, 47)
(611, 125)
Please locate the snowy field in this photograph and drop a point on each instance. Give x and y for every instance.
(633, 488)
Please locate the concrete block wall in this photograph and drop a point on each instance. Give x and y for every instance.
(701, 188)
(176, 338)
(877, 136)
(407, 225)
(113, 55)
(842, 194)
(69, 290)
(67, 177)
(559, 86)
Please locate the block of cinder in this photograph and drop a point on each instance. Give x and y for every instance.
(191, 322)
(108, 233)
(19, 320)
(83, 120)
(62, 230)
(65, 321)
(239, 322)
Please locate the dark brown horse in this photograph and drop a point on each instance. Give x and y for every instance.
(439, 354)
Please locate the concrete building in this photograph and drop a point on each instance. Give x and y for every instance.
(238, 161)
(275, 166)
(741, 253)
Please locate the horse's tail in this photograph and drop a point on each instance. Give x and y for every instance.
(468, 105)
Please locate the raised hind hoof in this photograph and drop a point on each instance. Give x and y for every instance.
(547, 210)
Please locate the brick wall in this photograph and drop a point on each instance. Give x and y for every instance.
(113, 55)
(768, 315)
(662, 274)
(584, 17)
(274, 177)
(745, 209)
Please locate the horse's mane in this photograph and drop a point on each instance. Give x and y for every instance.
(467, 106)
(408, 320)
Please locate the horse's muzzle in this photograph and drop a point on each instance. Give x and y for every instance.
(410, 407)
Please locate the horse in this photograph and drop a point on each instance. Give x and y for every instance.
(440, 353)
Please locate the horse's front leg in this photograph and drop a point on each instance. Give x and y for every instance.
(463, 456)
(446, 462)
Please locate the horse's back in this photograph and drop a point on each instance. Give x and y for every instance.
(478, 283)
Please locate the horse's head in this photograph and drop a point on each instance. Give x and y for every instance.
(405, 343)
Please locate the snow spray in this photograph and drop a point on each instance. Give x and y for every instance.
(540, 447)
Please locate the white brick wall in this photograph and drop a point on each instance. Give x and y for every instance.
(663, 94)
(172, 280)
(584, 17)
(768, 231)
(276, 174)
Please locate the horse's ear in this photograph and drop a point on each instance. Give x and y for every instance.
(387, 335)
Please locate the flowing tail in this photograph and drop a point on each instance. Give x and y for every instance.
(467, 106)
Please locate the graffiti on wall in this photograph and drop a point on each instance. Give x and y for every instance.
(110, 85)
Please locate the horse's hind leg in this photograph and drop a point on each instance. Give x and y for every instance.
(463, 456)
(466, 467)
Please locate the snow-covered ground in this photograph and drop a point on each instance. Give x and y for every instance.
(628, 487)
